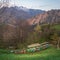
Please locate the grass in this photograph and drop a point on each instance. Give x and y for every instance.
(57, 26)
(48, 54)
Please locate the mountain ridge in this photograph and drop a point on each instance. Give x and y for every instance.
(49, 17)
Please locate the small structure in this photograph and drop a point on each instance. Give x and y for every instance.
(34, 45)
(44, 43)
(37, 47)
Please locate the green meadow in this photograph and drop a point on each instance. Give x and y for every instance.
(57, 26)
(48, 54)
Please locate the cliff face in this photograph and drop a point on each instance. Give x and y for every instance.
(52, 16)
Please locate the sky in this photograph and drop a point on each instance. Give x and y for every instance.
(38, 4)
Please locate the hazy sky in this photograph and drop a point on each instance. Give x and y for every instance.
(38, 4)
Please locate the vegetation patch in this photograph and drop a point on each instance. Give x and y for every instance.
(48, 54)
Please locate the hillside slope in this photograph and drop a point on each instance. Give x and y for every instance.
(51, 17)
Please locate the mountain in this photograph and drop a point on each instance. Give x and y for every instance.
(20, 12)
(12, 14)
(52, 16)
(32, 12)
(16, 24)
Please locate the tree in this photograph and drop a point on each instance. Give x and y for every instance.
(1, 34)
(56, 38)
(37, 28)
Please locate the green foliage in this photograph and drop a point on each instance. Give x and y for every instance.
(42, 40)
(21, 46)
(33, 37)
(57, 26)
(37, 28)
(55, 37)
(4, 51)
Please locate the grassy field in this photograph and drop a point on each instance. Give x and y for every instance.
(48, 54)
(57, 26)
